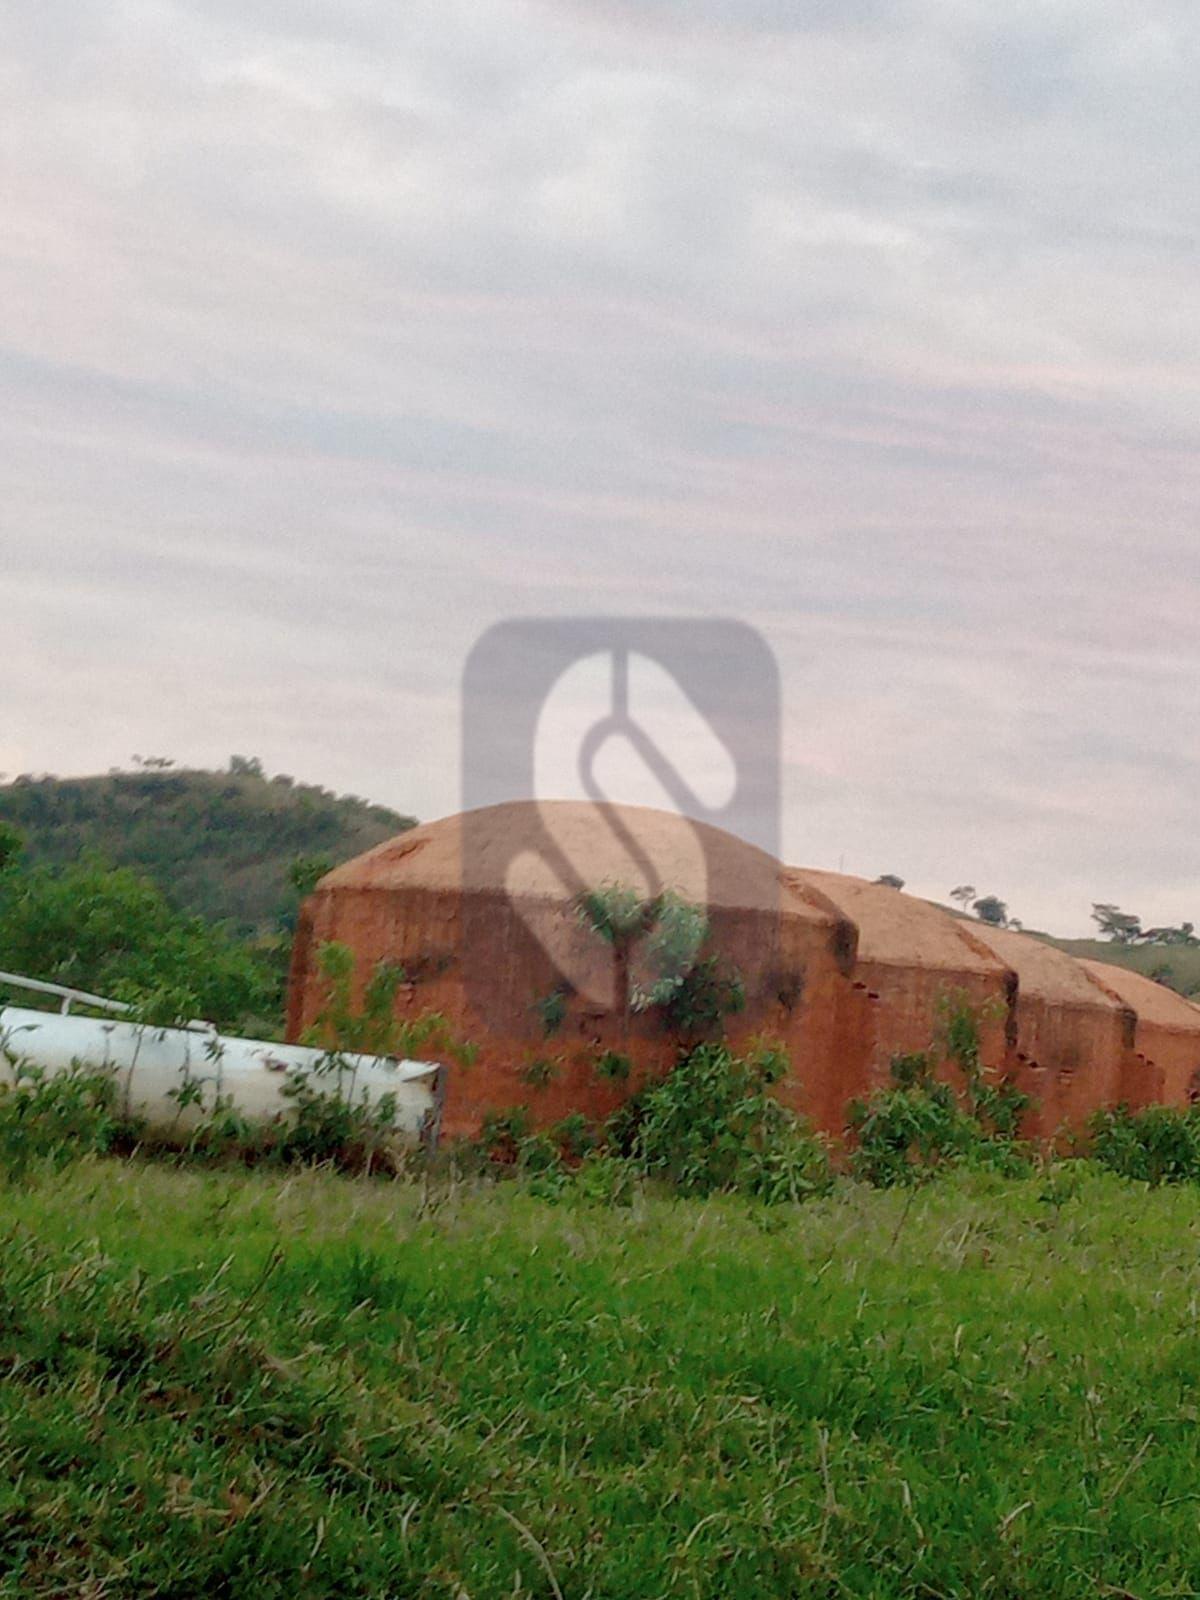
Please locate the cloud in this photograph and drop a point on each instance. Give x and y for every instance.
(335, 333)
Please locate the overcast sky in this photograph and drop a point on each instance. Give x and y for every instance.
(334, 331)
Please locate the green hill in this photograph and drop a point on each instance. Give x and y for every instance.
(217, 843)
(1177, 966)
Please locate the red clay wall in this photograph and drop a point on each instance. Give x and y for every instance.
(1166, 1057)
(845, 976)
(907, 1008)
(795, 996)
(910, 957)
(1170, 1061)
(1071, 1058)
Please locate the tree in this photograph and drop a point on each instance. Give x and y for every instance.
(12, 842)
(1184, 934)
(964, 894)
(110, 931)
(1122, 927)
(992, 910)
(889, 880)
(306, 872)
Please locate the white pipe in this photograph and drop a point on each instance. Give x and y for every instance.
(69, 997)
(153, 1065)
(61, 991)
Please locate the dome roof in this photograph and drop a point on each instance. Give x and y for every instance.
(1154, 1002)
(1044, 972)
(901, 930)
(550, 849)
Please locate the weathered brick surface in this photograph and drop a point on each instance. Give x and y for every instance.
(843, 973)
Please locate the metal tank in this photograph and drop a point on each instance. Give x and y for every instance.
(174, 1077)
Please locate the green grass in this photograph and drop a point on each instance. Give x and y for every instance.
(232, 1383)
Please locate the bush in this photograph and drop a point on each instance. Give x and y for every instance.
(614, 1065)
(907, 1131)
(606, 1180)
(1160, 1144)
(57, 1119)
(713, 1124)
(371, 1026)
(921, 1123)
(663, 937)
(552, 1011)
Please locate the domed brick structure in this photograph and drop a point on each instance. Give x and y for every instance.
(483, 913)
(1166, 1037)
(1073, 1048)
(497, 918)
(912, 957)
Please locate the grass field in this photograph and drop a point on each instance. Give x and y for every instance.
(231, 1383)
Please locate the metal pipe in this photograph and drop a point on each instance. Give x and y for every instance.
(81, 997)
(60, 991)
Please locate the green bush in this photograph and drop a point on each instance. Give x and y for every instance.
(606, 1180)
(575, 1136)
(690, 993)
(1160, 1144)
(345, 1025)
(502, 1135)
(921, 1123)
(56, 1120)
(907, 1131)
(552, 1011)
(713, 1124)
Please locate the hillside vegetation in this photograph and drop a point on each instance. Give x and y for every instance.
(218, 844)
(1177, 966)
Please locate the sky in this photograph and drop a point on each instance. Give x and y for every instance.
(335, 332)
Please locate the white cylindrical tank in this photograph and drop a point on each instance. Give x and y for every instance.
(174, 1077)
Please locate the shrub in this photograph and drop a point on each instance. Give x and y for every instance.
(575, 1136)
(698, 1000)
(538, 1072)
(908, 1130)
(613, 1065)
(56, 1119)
(111, 931)
(606, 1180)
(372, 1027)
(540, 1163)
(921, 1123)
(995, 1104)
(552, 1011)
(1160, 1144)
(328, 1125)
(713, 1124)
(502, 1135)
(692, 994)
